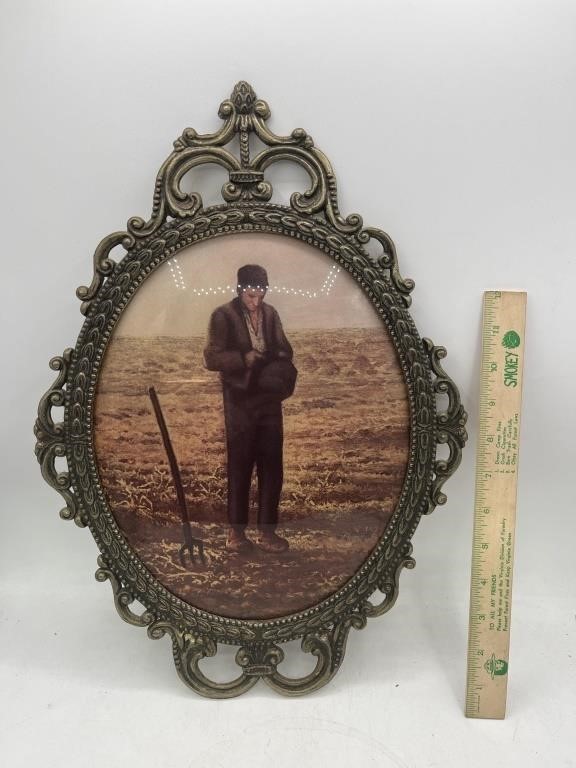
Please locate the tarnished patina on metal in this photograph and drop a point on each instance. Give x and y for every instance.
(179, 219)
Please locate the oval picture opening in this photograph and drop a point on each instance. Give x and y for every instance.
(251, 425)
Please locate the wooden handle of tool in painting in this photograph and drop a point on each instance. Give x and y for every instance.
(174, 468)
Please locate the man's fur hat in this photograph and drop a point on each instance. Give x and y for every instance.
(252, 276)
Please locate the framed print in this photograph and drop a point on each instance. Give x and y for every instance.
(250, 421)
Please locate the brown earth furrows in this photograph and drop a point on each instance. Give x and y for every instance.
(345, 453)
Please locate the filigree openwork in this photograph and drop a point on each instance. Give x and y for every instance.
(51, 439)
(450, 425)
(179, 218)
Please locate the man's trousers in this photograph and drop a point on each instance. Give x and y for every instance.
(254, 437)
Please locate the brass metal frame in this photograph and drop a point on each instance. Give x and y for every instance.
(177, 220)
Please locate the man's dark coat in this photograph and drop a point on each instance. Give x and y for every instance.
(229, 341)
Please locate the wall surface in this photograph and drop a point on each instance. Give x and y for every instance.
(451, 125)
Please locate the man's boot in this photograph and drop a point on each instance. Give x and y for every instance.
(269, 541)
(236, 540)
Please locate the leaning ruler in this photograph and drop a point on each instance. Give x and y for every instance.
(503, 325)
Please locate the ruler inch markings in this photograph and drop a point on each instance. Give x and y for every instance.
(501, 372)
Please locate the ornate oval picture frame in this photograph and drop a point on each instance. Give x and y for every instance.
(250, 420)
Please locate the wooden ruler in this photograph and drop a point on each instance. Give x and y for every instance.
(503, 327)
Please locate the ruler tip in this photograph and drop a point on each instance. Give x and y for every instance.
(504, 293)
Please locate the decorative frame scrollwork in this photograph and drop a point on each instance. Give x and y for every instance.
(179, 218)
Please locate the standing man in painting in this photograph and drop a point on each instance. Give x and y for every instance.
(247, 345)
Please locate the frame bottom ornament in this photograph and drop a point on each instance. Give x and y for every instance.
(258, 660)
